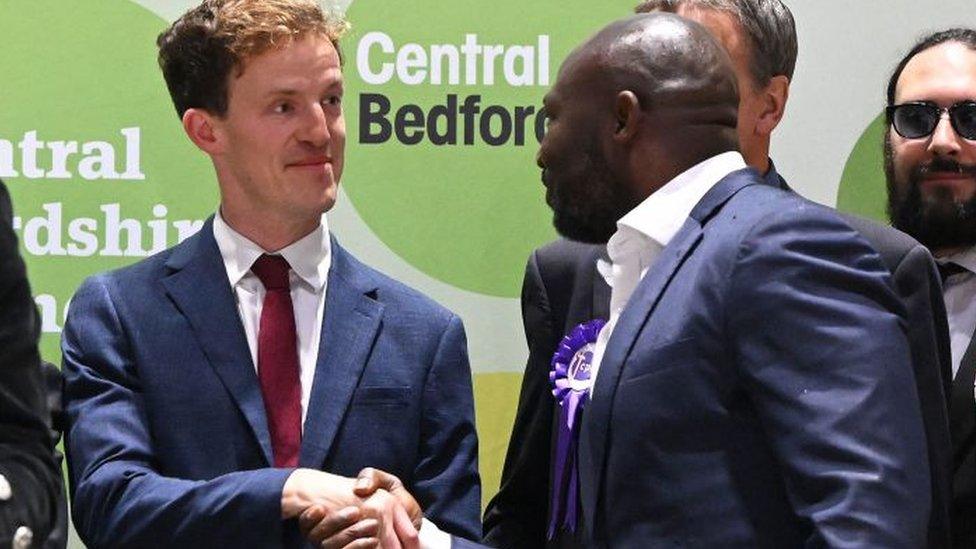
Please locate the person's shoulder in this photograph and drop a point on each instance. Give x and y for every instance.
(891, 244)
(134, 278)
(887, 240)
(6, 208)
(784, 219)
(563, 251)
(396, 296)
(565, 260)
(146, 268)
(758, 205)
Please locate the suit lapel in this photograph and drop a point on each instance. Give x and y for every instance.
(349, 326)
(962, 414)
(596, 421)
(199, 288)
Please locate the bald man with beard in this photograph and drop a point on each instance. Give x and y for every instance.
(567, 282)
(753, 387)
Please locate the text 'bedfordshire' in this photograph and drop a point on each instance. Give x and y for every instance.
(459, 119)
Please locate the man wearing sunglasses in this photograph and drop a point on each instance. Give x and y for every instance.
(564, 287)
(930, 163)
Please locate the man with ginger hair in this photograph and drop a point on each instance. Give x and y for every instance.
(220, 390)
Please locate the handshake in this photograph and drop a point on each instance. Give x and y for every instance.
(372, 510)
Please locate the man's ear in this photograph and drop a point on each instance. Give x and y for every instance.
(774, 96)
(200, 127)
(627, 113)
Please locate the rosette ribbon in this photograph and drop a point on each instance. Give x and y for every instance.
(570, 380)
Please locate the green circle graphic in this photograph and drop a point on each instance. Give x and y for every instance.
(862, 185)
(104, 173)
(465, 208)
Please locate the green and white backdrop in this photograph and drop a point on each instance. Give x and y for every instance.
(440, 190)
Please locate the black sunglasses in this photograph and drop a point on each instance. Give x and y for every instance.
(919, 119)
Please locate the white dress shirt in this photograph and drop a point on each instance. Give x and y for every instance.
(310, 259)
(959, 293)
(645, 231)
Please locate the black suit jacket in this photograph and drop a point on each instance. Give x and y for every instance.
(562, 288)
(26, 452)
(963, 424)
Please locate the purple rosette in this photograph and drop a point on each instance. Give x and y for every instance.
(570, 380)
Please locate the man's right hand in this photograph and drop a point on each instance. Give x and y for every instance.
(307, 487)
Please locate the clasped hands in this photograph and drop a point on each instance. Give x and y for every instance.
(372, 510)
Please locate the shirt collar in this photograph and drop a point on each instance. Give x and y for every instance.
(773, 179)
(661, 215)
(309, 256)
(965, 259)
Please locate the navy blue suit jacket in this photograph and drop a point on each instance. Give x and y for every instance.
(168, 444)
(563, 288)
(757, 390)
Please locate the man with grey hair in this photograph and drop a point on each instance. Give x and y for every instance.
(566, 283)
(760, 35)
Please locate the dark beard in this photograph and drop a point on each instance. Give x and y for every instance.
(587, 209)
(937, 221)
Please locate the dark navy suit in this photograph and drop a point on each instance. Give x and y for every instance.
(757, 390)
(563, 288)
(168, 443)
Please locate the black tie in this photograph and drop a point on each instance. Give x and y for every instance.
(948, 269)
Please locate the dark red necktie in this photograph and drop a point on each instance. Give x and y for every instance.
(278, 367)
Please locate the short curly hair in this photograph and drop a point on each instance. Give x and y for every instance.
(198, 52)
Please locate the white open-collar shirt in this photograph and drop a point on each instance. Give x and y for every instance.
(644, 232)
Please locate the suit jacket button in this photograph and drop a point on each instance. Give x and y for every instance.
(23, 538)
(5, 491)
